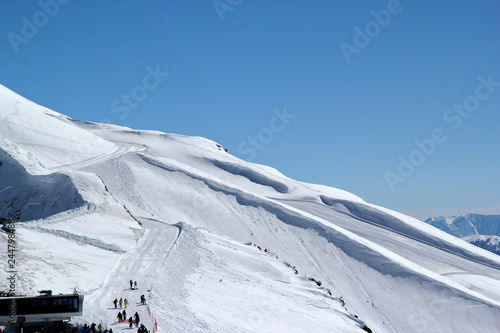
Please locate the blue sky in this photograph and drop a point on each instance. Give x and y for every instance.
(395, 101)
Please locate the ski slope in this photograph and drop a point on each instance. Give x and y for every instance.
(217, 244)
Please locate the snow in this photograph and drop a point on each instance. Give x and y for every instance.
(489, 243)
(49, 137)
(480, 230)
(102, 204)
(467, 225)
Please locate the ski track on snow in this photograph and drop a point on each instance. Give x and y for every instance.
(143, 259)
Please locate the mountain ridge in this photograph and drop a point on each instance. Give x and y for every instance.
(478, 229)
(177, 212)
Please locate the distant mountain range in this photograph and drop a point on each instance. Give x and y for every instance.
(477, 229)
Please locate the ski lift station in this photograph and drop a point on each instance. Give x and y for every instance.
(29, 314)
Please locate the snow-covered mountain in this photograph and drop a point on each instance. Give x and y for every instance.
(477, 229)
(489, 243)
(467, 225)
(218, 244)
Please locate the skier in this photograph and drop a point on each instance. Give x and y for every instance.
(121, 302)
(131, 283)
(114, 302)
(135, 285)
(124, 314)
(130, 321)
(143, 300)
(100, 328)
(136, 317)
(120, 317)
(125, 302)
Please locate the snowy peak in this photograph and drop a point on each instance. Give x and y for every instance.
(467, 225)
(489, 243)
(480, 230)
(49, 136)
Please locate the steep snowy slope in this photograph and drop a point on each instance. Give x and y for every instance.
(48, 136)
(26, 196)
(219, 244)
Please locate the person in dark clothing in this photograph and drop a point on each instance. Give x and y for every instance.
(143, 300)
(120, 317)
(115, 302)
(130, 322)
(131, 283)
(136, 319)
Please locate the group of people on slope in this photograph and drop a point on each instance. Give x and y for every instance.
(122, 316)
(120, 302)
(95, 329)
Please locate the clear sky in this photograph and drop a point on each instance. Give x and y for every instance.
(395, 101)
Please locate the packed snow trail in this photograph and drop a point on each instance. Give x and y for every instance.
(140, 263)
(115, 153)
